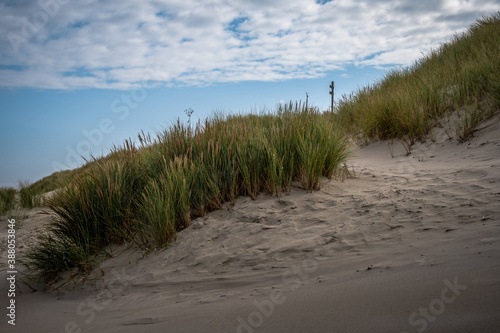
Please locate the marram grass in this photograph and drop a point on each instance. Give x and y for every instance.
(7, 199)
(146, 195)
(459, 76)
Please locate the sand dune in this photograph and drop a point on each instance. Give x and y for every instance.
(412, 244)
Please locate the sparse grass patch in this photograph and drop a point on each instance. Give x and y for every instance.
(53, 182)
(29, 196)
(7, 199)
(406, 104)
(470, 118)
(52, 256)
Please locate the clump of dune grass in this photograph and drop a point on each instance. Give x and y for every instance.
(408, 102)
(7, 199)
(54, 181)
(471, 117)
(148, 194)
(53, 255)
(29, 196)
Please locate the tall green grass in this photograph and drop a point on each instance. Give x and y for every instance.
(147, 194)
(53, 181)
(408, 102)
(7, 199)
(29, 196)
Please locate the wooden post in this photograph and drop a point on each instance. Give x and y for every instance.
(332, 87)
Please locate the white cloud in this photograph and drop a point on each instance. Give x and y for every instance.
(112, 44)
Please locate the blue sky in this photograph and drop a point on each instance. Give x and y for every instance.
(77, 77)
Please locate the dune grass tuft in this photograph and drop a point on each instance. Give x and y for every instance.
(29, 196)
(146, 195)
(7, 199)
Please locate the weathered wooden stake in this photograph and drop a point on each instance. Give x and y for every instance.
(332, 87)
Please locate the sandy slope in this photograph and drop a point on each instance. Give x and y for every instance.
(412, 244)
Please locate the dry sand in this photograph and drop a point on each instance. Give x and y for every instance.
(410, 245)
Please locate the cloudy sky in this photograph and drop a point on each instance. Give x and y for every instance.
(79, 76)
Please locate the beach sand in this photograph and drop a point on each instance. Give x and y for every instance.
(411, 244)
